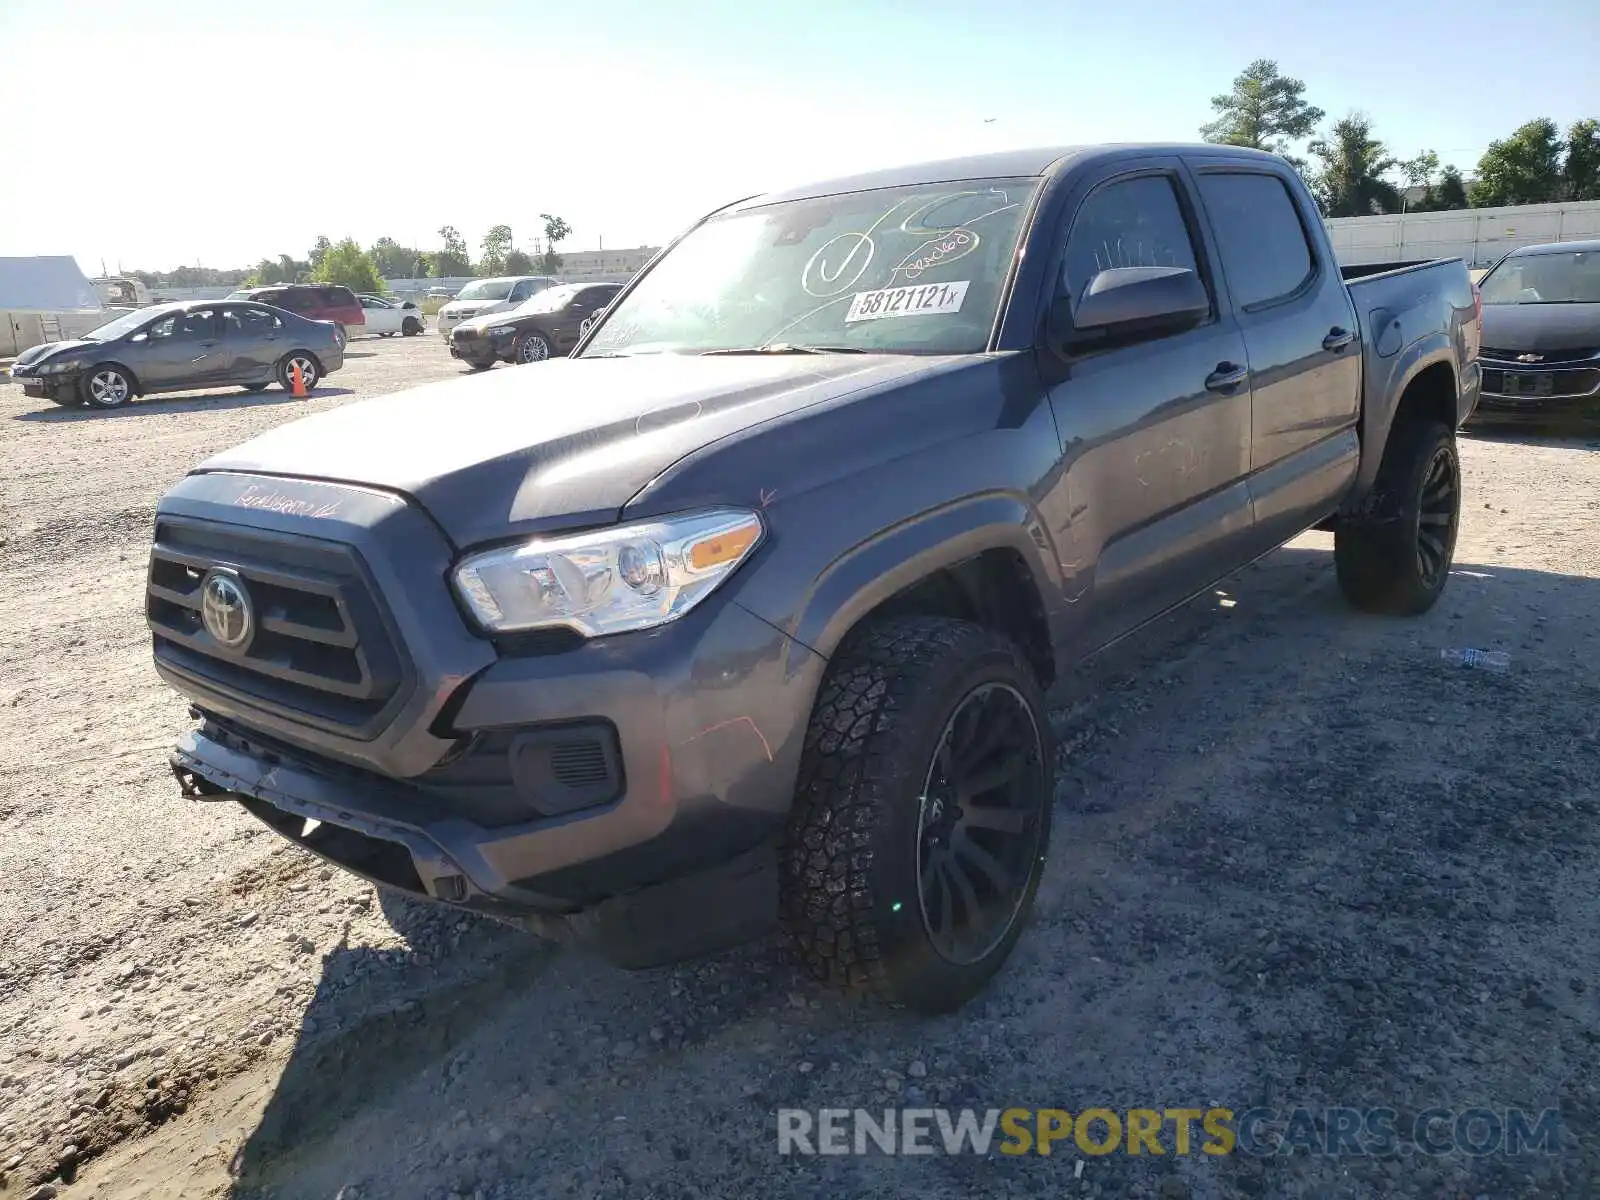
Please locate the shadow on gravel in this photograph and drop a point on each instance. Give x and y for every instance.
(1299, 861)
(178, 402)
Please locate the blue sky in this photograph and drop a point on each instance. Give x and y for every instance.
(175, 131)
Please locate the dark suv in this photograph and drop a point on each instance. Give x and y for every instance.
(314, 301)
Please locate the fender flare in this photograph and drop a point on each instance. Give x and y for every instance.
(1404, 368)
(870, 572)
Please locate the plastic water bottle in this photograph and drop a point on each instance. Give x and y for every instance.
(1497, 661)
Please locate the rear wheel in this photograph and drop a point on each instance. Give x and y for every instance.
(922, 815)
(107, 387)
(309, 371)
(1395, 557)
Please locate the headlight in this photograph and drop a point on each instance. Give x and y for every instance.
(608, 580)
(501, 330)
(56, 368)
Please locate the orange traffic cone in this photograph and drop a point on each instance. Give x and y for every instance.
(299, 380)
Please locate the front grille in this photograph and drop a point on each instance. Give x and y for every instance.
(321, 653)
(1548, 357)
(1566, 384)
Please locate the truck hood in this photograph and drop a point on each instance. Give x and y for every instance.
(1538, 328)
(565, 443)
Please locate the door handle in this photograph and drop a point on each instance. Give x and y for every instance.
(1338, 338)
(1227, 377)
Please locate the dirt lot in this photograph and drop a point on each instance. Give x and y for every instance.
(1298, 861)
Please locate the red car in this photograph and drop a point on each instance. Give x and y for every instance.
(314, 301)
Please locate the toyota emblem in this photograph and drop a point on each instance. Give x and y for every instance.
(226, 611)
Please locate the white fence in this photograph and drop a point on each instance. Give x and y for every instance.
(1477, 235)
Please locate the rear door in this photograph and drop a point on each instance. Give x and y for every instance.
(253, 336)
(1300, 335)
(1153, 502)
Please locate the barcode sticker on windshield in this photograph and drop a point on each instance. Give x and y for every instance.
(919, 300)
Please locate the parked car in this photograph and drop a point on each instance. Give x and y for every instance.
(314, 301)
(750, 616)
(389, 315)
(484, 296)
(548, 326)
(180, 348)
(1541, 335)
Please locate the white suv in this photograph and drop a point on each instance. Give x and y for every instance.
(484, 296)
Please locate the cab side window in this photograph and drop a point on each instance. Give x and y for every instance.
(1128, 223)
(1265, 253)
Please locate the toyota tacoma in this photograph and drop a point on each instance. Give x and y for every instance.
(745, 612)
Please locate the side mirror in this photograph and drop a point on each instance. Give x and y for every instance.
(1139, 299)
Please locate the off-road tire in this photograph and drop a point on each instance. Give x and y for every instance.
(849, 898)
(1379, 554)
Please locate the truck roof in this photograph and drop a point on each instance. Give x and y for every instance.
(1004, 164)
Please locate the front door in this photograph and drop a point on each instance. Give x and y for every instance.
(1155, 430)
(181, 351)
(1300, 332)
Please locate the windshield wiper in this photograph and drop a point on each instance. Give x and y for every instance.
(788, 348)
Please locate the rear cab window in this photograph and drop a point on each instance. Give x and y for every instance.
(1261, 238)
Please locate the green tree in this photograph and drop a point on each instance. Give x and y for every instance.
(496, 245)
(346, 263)
(451, 261)
(395, 261)
(518, 263)
(1524, 168)
(1452, 193)
(319, 251)
(1265, 111)
(1582, 170)
(1351, 165)
(556, 231)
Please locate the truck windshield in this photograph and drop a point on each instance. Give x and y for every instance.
(486, 289)
(905, 270)
(1561, 278)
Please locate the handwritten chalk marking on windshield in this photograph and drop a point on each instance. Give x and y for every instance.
(919, 300)
(958, 243)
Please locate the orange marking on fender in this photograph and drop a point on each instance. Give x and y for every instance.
(761, 737)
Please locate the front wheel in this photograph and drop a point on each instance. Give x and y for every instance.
(412, 327)
(922, 816)
(1394, 557)
(531, 348)
(107, 387)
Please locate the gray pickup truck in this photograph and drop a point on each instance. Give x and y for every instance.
(747, 610)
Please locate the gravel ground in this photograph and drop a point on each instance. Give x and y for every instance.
(1298, 861)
